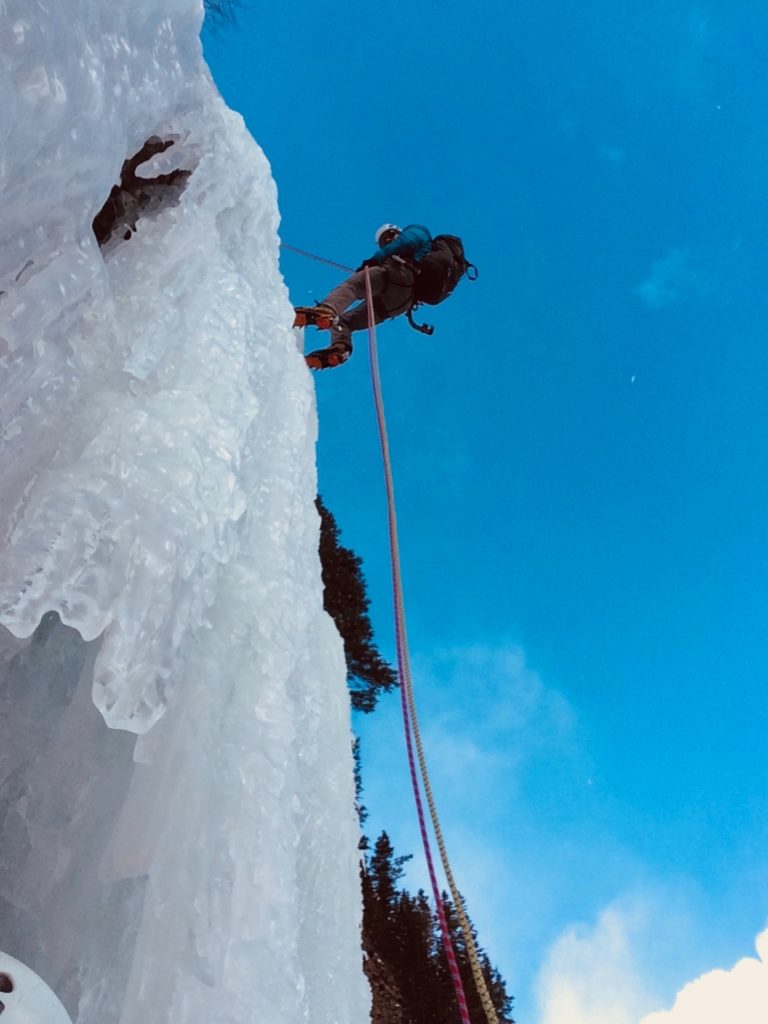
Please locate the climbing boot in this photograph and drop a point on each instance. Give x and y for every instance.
(326, 358)
(321, 316)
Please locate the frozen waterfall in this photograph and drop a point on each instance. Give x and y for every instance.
(178, 839)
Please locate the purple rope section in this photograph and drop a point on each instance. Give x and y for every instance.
(403, 660)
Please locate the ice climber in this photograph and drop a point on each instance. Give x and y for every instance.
(409, 267)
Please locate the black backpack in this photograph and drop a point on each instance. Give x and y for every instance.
(441, 270)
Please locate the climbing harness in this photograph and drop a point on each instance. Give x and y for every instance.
(410, 719)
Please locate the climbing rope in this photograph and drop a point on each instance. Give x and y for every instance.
(318, 259)
(411, 723)
(410, 718)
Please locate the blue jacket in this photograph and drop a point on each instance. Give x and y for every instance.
(413, 241)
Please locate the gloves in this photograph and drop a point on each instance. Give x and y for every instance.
(367, 263)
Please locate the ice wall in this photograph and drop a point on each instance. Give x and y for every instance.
(158, 555)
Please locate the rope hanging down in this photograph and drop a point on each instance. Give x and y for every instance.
(410, 720)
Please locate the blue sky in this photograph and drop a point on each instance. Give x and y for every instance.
(579, 451)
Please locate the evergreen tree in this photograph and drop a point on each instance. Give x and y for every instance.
(385, 871)
(403, 934)
(346, 601)
(502, 1003)
(412, 961)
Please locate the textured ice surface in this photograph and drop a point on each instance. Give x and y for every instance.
(158, 550)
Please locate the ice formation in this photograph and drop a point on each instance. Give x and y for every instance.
(158, 554)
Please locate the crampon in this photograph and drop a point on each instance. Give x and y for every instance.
(326, 358)
(320, 316)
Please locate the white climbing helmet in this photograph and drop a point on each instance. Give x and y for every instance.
(383, 230)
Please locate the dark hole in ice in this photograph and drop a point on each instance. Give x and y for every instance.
(133, 196)
(6, 982)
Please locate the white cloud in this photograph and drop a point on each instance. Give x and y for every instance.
(493, 715)
(739, 996)
(499, 678)
(590, 975)
(672, 277)
(603, 974)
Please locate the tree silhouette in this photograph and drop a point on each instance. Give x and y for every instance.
(346, 601)
(402, 936)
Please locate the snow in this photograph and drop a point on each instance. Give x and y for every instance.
(188, 851)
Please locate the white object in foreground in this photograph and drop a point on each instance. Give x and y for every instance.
(29, 1000)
